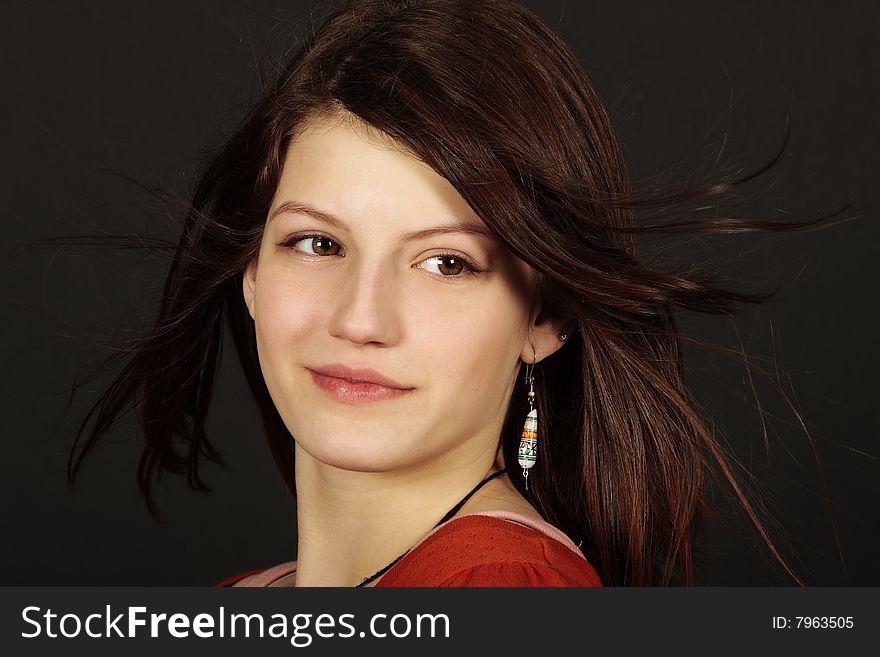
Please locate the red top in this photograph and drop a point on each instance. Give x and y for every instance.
(493, 548)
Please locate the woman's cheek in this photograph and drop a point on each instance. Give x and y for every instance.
(291, 307)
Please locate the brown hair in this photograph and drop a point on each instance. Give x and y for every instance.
(495, 102)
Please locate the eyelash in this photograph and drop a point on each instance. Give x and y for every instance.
(469, 266)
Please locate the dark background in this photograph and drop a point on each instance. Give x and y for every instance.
(98, 92)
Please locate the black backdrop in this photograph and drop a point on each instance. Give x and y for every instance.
(95, 90)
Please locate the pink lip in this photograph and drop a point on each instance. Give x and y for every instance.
(356, 385)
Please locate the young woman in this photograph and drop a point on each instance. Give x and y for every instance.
(391, 326)
(422, 240)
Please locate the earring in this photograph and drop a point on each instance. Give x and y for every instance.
(563, 336)
(528, 442)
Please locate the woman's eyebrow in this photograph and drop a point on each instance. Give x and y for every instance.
(303, 208)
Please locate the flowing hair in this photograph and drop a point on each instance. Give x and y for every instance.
(495, 102)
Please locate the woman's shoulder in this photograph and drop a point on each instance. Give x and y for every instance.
(493, 548)
(239, 580)
(261, 578)
(487, 548)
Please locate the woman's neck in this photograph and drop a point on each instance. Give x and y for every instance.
(351, 524)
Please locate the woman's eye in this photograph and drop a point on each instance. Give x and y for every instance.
(446, 265)
(450, 265)
(316, 244)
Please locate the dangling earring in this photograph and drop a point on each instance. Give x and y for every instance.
(528, 442)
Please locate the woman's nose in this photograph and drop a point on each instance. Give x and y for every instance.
(365, 308)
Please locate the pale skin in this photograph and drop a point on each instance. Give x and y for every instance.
(373, 479)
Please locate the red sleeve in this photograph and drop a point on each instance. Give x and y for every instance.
(484, 551)
(229, 581)
(513, 573)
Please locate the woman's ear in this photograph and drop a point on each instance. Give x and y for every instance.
(249, 283)
(544, 338)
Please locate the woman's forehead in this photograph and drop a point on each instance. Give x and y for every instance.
(348, 172)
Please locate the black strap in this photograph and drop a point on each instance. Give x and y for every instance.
(455, 509)
(451, 513)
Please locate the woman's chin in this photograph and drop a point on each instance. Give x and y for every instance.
(364, 455)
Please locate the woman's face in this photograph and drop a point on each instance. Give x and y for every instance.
(367, 291)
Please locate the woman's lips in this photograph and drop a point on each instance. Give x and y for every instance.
(358, 393)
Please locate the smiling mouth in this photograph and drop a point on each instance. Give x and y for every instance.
(357, 392)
